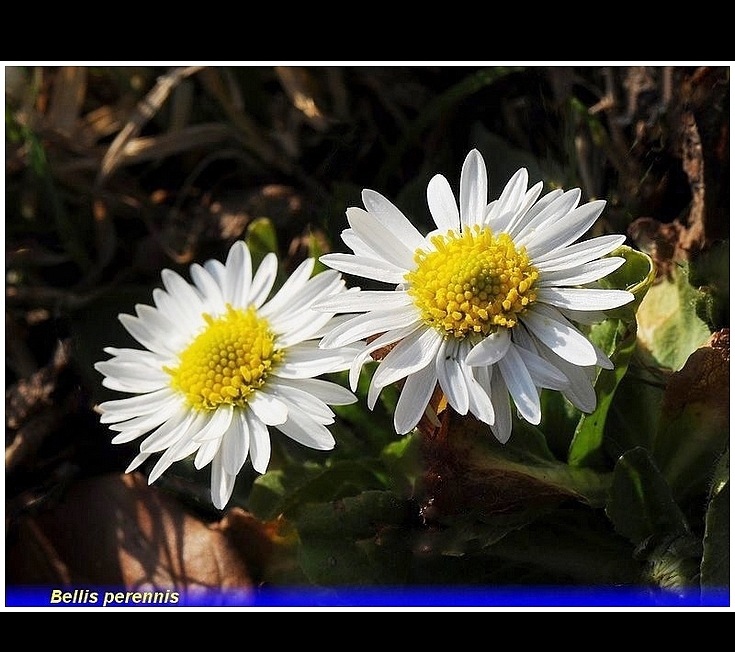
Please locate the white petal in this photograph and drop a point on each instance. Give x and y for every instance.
(219, 422)
(451, 379)
(169, 432)
(263, 280)
(218, 272)
(260, 443)
(137, 461)
(369, 324)
(381, 238)
(303, 429)
(490, 349)
(160, 326)
(238, 275)
(372, 268)
(509, 203)
(269, 409)
(585, 273)
(300, 327)
(442, 204)
(415, 396)
(480, 404)
(587, 317)
(306, 360)
(324, 390)
(364, 301)
(170, 307)
(521, 386)
(223, 483)
(517, 219)
(126, 408)
(140, 332)
(182, 448)
(551, 328)
(207, 451)
(142, 357)
(584, 298)
(357, 244)
(289, 290)
(140, 425)
(578, 253)
(566, 229)
(184, 295)
(473, 189)
(208, 287)
(500, 398)
(387, 338)
(520, 222)
(408, 356)
(581, 392)
(235, 444)
(295, 397)
(318, 287)
(543, 373)
(547, 212)
(393, 219)
(131, 380)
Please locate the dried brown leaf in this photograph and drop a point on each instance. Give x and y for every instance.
(115, 530)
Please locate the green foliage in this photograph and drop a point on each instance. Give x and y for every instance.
(617, 338)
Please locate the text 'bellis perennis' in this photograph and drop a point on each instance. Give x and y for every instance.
(221, 364)
(485, 305)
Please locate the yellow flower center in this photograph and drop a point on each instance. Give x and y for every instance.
(472, 283)
(227, 361)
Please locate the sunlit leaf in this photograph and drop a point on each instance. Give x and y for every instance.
(668, 325)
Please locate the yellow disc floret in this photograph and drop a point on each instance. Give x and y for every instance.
(229, 359)
(473, 282)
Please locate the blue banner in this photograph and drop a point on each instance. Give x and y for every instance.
(115, 597)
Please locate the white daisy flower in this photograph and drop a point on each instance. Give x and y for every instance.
(220, 364)
(484, 305)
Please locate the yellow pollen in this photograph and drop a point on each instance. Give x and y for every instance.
(227, 361)
(473, 282)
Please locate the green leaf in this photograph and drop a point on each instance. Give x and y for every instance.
(288, 490)
(642, 508)
(641, 504)
(261, 238)
(716, 558)
(350, 542)
(570, 545)
(402, 459)
(617, 338)
(710, 273)
(668, 325)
